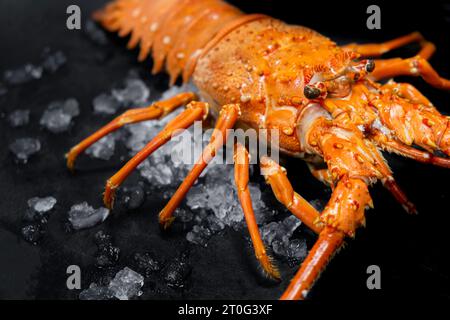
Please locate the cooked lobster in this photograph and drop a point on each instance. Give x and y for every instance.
(258, 72)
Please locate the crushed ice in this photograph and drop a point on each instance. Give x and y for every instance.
(131, 198)
(105, 104)
(176, 272)
(103, 149)
(36, 216)
(212, 204)
(96, 292)
(23, 74)
(126, 285)
(19, 118)
(146, 263)
(277, 235)
(50, 63)
(24, 148)
(41, 205)
(33, 232)
(58, 116)
(107, 253)
(134, 93)
(82, 216)
(53, 61)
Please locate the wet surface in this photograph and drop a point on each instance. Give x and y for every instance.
(411, 250)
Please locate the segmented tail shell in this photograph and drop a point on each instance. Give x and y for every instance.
(175, 31)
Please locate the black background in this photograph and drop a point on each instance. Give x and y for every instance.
(411, 250)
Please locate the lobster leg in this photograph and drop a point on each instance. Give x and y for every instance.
(155, 111)
(227, 118)
(321, 174)
(377, 49)
(415, 66)
(330, 240)
(406, 91)
(343, 214)
(276, 176)
(391, 185)
(392, 145)
(241, 177)
(195, 111)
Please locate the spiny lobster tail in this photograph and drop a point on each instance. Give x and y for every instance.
(176, 30)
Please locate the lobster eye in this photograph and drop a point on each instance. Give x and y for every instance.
(370, 65)
(311, 92)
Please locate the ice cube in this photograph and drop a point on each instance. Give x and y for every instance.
(280, 230)
(199, 235)
(23, 148)
(163, 174)
(32, 233)
(41, 205)
(290, 224)
(183, 215)
(159, 173)
(102, 239)
(269, 232)
(135, 93)
(58, 116)
(107, 254)
(297, 249)
(197, 198)
(201, 215)
(96, 292)
(105, 104)
(214, 224)
(176, 273)
(56, 121)
(83, 216)
(102, 149)
(22, 74)
(131, 197)
(279, 248)
(146, 263)
(107, 257)
(19, 118)
(294, 251)
(71, 107)
(126, 284)
(53, 61)
(223, 202)
(278, 234)
(140, 135)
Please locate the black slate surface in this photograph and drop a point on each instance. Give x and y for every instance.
(411, 250)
